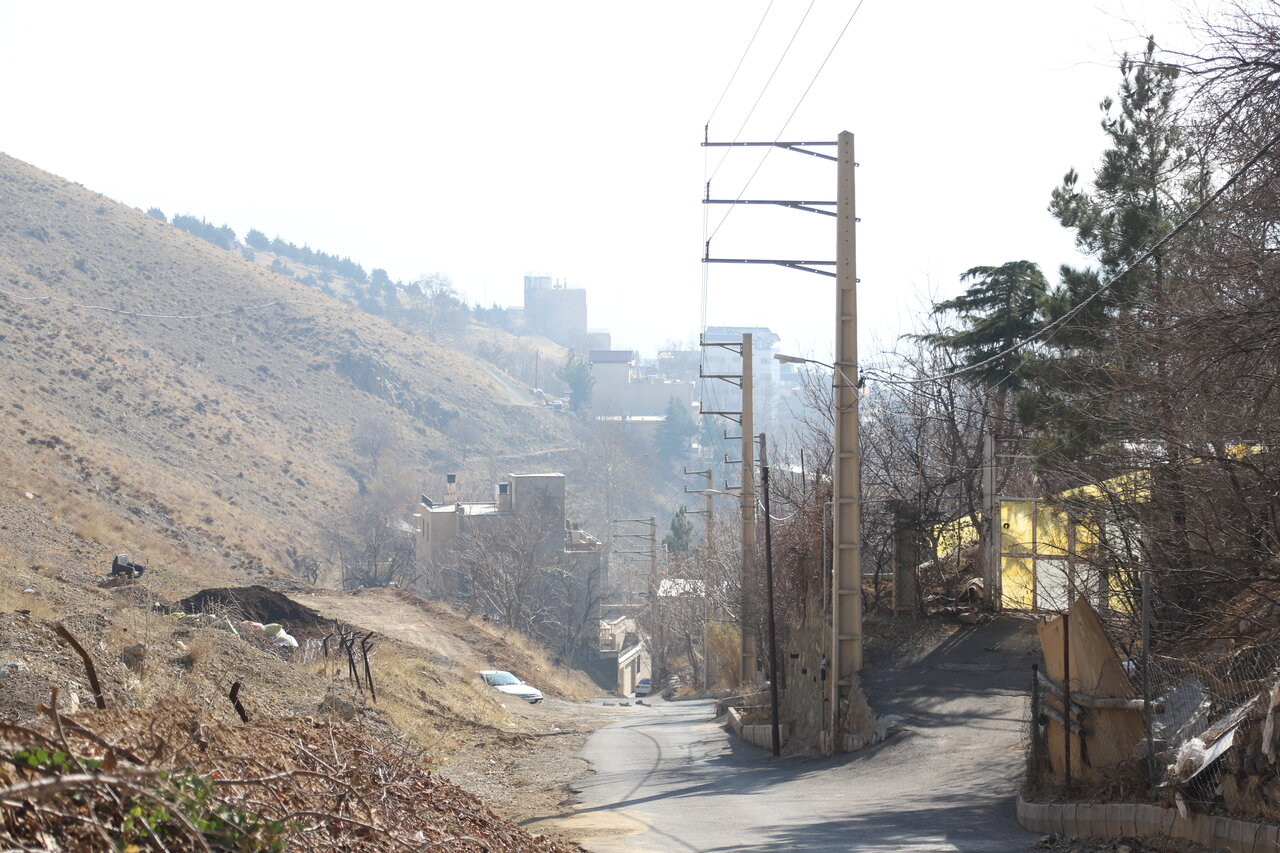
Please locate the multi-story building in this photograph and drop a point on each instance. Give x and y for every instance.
(556, 311)
(619, 391)
(765, 370)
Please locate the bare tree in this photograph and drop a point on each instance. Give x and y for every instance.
(372, 543)
(375, 438)
(504, 560)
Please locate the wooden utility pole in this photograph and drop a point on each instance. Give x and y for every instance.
(775, 736)
(846, 527)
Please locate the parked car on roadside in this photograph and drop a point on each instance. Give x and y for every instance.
(512, 686)
(643, 687)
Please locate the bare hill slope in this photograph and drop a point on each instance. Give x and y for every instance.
(170, 397)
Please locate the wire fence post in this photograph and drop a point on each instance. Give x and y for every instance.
(1066, 697)
(1034, 770)
(1146, 674)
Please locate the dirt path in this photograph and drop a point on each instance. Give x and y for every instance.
(386, 613)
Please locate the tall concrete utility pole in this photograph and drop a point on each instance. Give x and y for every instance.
(748, 670)
(846, 599)
(846, 527)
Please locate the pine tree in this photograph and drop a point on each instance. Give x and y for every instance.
(680, 539)
(1138, 194)
(1000, 309)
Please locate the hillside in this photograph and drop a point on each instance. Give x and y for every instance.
(170, 398)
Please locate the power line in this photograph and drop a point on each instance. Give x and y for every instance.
(1106, 285)
(738, 68)
(706, 214)
(792, 115)
(764, 89)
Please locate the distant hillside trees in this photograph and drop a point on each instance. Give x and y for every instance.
(157, 213)
(344, 267)
(498, 317)
(434, 309)
(219, 235)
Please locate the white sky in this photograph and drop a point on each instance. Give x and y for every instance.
(489, 140)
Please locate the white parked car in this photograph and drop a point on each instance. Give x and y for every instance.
(643, 687)
(509, 684)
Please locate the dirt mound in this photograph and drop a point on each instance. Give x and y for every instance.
(259, 604)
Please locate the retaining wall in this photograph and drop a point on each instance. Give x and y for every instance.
(1136, 820)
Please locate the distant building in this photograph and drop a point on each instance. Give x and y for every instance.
(441, 521)
(620, 393)
(681, 365)
(598, 339)
(556, 311)
(623, 657)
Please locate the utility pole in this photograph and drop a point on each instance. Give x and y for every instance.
(744, 417)
(990, 524)
(846, 527)
(776, 739)
(651, 537)
(846, 531)
(748, 505)
(708, 517)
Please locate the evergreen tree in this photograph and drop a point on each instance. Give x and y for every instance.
(255, 239)
(680, 539)
(1138, 194)
(576, 373)
(1000, 308)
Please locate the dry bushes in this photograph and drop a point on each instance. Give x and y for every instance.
(174, 779)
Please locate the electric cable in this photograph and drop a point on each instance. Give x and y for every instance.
(738, 68)
(706, 180)
(764, 89)
(792, 115)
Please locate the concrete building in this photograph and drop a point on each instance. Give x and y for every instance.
(439, 522)
(620, 393)
(624, 656)
(556, 311)
(766, 370)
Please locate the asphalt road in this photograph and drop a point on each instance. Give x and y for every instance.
(671, 779)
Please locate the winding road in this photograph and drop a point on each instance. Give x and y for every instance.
(671, 779)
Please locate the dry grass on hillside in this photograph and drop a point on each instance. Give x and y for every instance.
(160, 383)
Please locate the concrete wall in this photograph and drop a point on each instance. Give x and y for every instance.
(1138, 820)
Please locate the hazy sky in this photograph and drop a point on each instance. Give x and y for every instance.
(490, 140)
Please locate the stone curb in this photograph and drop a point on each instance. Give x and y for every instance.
(1136, 820)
